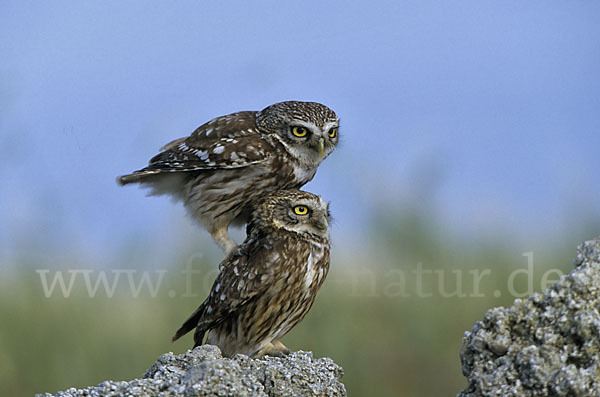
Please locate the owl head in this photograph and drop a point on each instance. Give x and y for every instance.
(296, 211)
(308, 130)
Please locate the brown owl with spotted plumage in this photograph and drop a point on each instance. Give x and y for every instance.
(268, 285)
(231, 160)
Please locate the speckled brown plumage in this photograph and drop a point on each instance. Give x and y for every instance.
(229, 161)
(270, 282)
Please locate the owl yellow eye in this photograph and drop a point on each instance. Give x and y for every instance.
(333, 133)
(300, 132)
(301, 210)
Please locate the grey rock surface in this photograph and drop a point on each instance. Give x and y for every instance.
(204, 372)
(546, 345)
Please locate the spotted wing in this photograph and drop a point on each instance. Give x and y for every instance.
(230, 141)
(243, 276)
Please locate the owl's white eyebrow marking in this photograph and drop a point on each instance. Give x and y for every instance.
(330, 125)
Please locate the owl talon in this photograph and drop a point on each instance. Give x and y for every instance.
(275, 349)
(249, 306)
(238, 251)
(231, 160)
(235, 252)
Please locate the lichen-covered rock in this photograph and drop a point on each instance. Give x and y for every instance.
(204, 372)
(546, 345)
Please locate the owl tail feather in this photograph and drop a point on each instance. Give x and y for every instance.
(189, 324)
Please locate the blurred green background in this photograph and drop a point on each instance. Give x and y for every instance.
(389, 341)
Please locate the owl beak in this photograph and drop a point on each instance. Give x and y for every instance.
(321, 146)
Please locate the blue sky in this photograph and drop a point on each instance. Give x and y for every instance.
(487, 111)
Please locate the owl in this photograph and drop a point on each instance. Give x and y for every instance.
(231, 160)
(267, 286)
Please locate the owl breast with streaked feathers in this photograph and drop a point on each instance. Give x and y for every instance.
(231, 160)
(269, 284)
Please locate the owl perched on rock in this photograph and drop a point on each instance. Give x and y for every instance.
(268, 285)
(231, 160)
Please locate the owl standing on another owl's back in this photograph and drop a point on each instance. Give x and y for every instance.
(231, 160)
(269, 284)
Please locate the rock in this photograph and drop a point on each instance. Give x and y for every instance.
(204, 372)
(546, 345)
